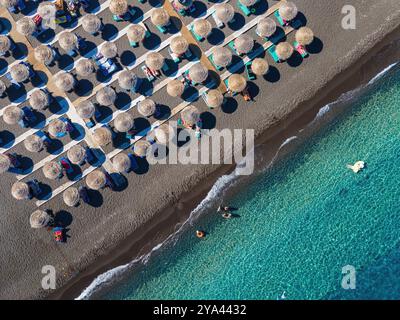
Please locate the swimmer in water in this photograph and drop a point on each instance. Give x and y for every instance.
(227, 215)
(223, 209)
(200, 234)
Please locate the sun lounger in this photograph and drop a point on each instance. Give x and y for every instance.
(272, 52)
(29, 114)
(141, 1)
(250, 74)
(66, 165)
(42, 135)
(108, 67)
(89, 123)
(218, 22)
(162, 29)
(134, 164)
(89, 155)
(174, 57)
(300, 49)
(147, 73)
(117, 18)
(34, 187)
(246, 10)
(232, 46)
(282, 22)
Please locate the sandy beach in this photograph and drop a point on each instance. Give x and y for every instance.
(123, 225)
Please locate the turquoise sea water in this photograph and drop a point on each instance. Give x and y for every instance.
(300, 222)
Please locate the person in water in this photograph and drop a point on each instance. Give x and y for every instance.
(200, 234)
(227, 215)
(221, 208)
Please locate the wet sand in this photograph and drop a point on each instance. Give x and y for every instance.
(124, 225)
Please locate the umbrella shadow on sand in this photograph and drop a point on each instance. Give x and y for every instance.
(63, 218)
(7, 139)
(230, 105)
(96, 199)
(109, 32)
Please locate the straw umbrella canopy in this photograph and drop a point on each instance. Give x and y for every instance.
(179, 45)
(140, 148)
(160, 17)
(47, 10)
(86, 109)
(163, 133)
(190, 115)
(102, 136)
(127, 79)
(68, 41)
(106, 96)
(288, 11)
(237, 83)
(259, 66)
(8, 3)
(84, 67)
(222, 56)
(175, 88)
(147, 107)
(91, 23)
(244, 43)
(266, 27)
(19, 72)
(5, 163)
(136, 32)
(64, 81)
(44, 54)
(5, 43)
(154, 60)
(57, 127)
(33, 143)
(122, 162)
(39, 219)
(96, 180)
(12, 115)
(3, 87)
(248, 3)
(109, 50)
(284, 50)
(71, 196)
(182, 4)
(304, 36)
(77, 154)
(198, 73)
(20, 190)
(118, 7)
(39, 99)
(214, 98)
(52, 170)
(123, 122)
(224, 12)
(26, 26)
(202, 27)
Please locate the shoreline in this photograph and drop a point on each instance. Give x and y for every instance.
(155, 231)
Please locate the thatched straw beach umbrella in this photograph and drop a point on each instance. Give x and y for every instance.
(127, 79)
(202, 27)
(248, 3)
(182, 4)
(160, 17)
(57, 128)
(96, 180)
(102, 136)
(121, 162)
(224, 12)
(155, 60)
(190, 115)
(163, 133)
(47, 10)
(244, 44)
(39, 100)
(91, 23)
(284, 50)
(20, 190)
(109, 50)
(52, 170)
(259, 66)
(71, 196)
(39, 219)
(304, 36)
(8, 3)
(86, 109)
(68, 41)
(64, 81)
(175, 88)
(179, 45)
(136, 33)
(222, 56)
(3, 87)
(19, 72)
(77, 154)
(5, 43)
(146, 107)
(118, 7)
(266, 27)
(237, 83)
(214, 98)
(33, 143)
(123, 122)
(44, 54)
(140, 147)
(198, 73)
(5, 163)
(106, 96)
(288, 11)
(12, 115)
(26, 26)
(84, 67)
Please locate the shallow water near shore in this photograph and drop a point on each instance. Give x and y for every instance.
(299, 222)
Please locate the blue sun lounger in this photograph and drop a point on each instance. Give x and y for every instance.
(66, 165)
(29, 114)
(42, 135)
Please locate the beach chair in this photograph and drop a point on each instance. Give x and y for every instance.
(117, 18)
(42, 135)
(89, 123)
(272, 52)
(174, 57)
(29, 114)
(165, 67)
(231, 45)
(188, 53)
(58, 234)
(66, 165)
(134, 164)
(218, 22)
(107, 67)
(300, 49)
(34, 186)
(246, 10)
(141, 1)
(250, 74)
(147, 73)
(89, 155)
(162, 29)
(281, 21)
